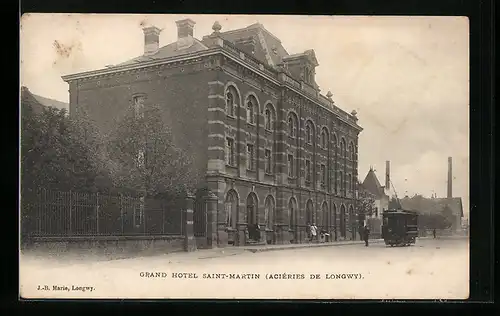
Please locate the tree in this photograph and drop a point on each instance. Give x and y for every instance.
(143, 157)
(366, 204)
(55, 153)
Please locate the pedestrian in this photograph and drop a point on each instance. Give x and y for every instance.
(366, 235)
(314, 232)
(434, 233)
(361, 228)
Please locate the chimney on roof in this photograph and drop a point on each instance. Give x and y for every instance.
(387, 175)
(450, 178)
(185, 33)
(151, 40)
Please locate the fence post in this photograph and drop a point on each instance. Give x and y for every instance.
(70, 211)
(211, 209)
(121, 211)
(189, 240)
(97, 213)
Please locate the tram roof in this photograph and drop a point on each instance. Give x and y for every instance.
(400, 212)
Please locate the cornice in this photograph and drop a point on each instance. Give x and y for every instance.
(160, 63)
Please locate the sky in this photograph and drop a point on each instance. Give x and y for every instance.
(407, 77)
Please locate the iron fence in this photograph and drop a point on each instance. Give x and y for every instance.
(66, 214)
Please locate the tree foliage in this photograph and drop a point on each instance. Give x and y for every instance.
(63, 153)
(144, 158)
(57, 153)
(366, 204)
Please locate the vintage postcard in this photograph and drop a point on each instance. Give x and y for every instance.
(244, 157)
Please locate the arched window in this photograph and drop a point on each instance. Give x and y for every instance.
(292, 125)
(269, 212)
(292, 208)
(308, 133)
(326, 217)
(252, 209)
(342, 181)
(324, 138)
(310, 218)
(269, 118)
(342, 148)
(334, 147)
(251, 107)
(352, 216)
(351, 151)
(333, 217)
(231, 208)
(342, 221)
(231, 101)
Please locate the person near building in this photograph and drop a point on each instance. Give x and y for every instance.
(366, 235)
(314, 232)
(434, 233)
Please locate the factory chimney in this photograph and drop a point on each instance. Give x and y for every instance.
(450, 179)
(387, 175)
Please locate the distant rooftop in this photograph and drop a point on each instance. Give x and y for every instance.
(432, 205)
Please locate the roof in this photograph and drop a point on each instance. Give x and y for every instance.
(433, 205)
(38, 102)
(268, 48)
(372, 185)
(399, 212)
(169, 50)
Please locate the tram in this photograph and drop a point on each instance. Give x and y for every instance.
(399, 227)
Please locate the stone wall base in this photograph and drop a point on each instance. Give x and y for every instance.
(107, 246)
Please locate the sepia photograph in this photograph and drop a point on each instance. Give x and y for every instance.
(208, 156)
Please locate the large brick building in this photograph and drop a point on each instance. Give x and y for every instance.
(265, 141)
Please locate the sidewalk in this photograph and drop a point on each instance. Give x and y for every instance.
(261, 248)
(201, 254)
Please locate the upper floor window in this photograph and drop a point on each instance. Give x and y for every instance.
(251, 107)
(291, 170)
(292, 125)
(323, 175)
(230, 104)
(351, 151)
(250, 157)
(230, 152)
(140, 158)
(268, 161)
(269, 118)
(309, 132)
(324, 138)
(139, 106)
(342, 149)
(335, 144)
(308, 170)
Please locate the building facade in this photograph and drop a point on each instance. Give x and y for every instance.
(379, 193)
(265, 141)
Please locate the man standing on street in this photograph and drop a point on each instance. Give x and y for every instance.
(366, 235)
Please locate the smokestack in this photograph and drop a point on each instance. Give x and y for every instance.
(151, 40)
(450, 179)
(387, 175)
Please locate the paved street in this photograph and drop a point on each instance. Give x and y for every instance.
(431, 269)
